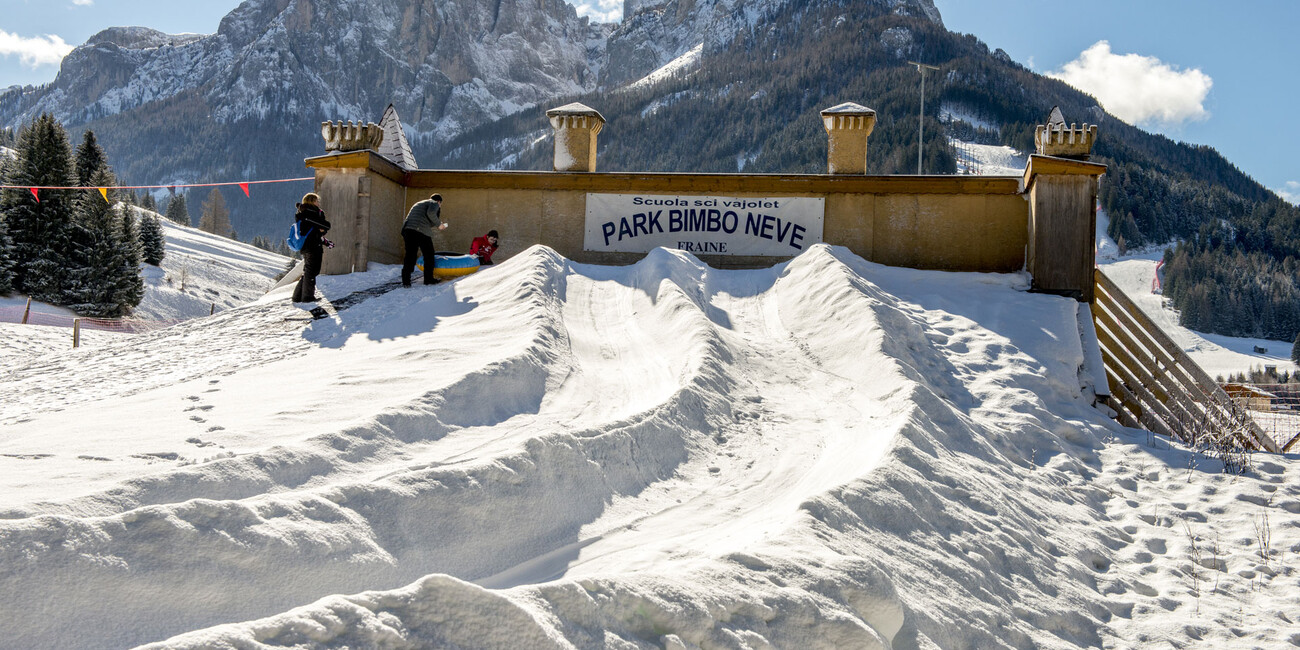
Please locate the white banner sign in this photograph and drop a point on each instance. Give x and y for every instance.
(713, 225)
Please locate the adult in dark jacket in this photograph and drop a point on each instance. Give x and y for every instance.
(483, 247)
(311, 219)
(417, 235)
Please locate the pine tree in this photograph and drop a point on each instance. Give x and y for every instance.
(40, 227)
(152, 241)
(1295, 351)
(148, 203)
(99, 245)
(130, 284)
(6, 254)
(176, 210)
(6, 267)
(215, 217)
(90, 160)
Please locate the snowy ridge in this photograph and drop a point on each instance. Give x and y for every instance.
(825, 454)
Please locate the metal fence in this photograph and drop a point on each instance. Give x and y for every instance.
(1274, 407)
(16, 314)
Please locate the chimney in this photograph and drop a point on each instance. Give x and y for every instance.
(351, 137)
(1061, 141)
(575, 127)
(847, 127)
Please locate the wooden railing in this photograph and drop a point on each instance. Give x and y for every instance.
(1156, 386)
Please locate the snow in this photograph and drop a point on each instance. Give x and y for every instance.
(677, 66)
(1218, 355)
(217, 273)
(988, 160)
(202, 273)
(828, 453)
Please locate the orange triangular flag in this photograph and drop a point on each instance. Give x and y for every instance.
(103, 191)
(244, 186)
(36, 194)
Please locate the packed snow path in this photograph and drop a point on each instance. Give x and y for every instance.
(825, 454)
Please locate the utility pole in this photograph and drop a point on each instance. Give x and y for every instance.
(920, 131)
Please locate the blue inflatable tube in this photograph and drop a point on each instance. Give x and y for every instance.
(450, 265)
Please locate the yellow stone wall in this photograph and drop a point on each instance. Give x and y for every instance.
(956, 223)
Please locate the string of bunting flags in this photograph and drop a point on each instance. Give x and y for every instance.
(103, 191)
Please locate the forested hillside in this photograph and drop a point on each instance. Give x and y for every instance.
(754, 107)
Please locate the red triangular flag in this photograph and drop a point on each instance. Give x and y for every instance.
(36, 194)
(244, 186)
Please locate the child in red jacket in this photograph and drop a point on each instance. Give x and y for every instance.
(483, 248)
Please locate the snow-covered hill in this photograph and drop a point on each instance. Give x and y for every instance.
(1219, 355)
(825, 454)
(203, 273)
(200, 274)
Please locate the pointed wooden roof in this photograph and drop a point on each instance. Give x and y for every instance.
(395, 147)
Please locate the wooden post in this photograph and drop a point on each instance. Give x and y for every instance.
(76, 332)
(1062, 225)
(212, 310)
(27, 311)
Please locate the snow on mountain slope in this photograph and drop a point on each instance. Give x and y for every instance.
(825, 454)
(1218, 355)
(203, 272)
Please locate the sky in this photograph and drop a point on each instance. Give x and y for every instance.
(1203, 72)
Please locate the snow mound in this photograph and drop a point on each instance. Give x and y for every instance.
(828, 453)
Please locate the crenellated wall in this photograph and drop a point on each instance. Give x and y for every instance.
(1041, 222)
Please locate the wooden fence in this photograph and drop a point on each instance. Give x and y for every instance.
(1156, 386)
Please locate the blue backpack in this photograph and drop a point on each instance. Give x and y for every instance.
(297, 237)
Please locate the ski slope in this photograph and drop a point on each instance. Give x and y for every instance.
(200, 274)
(1218, 355)
(828, 453)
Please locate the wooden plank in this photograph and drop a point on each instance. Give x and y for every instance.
(1287, 447)
(1150, 405)
(1149, 420)
(1186, 409)
(1121, 413)
(1162, 384)
(1114, 300)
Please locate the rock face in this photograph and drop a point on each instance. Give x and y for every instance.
(180, 108)
(447, 65)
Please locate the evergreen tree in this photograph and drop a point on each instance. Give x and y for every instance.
(215, 218)
(176, 210)
(40, 227)
(1295, 352)
(106, 279)
(6, 266)
(152, 241)
(130, 284)
(90, 160)
(6, 255)
(148, 203)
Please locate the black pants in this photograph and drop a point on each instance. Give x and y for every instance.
(311, 260)
(417, 244)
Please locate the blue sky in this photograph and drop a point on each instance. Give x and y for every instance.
(1216, 73)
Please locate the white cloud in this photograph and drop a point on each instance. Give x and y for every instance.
(36, 51)
(600, 11)
(83, 3)
(1138, 89)
(1290, 193)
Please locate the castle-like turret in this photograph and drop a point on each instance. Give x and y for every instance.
(1061, 141)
